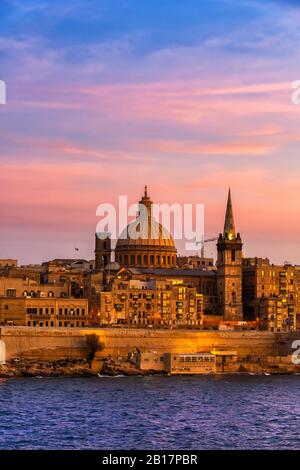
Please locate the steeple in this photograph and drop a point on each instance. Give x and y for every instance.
(229, 227)
(229, 269)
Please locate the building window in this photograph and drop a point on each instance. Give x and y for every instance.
(139, 259)
(47, 311)
(66, 311)
(232, 255)
(10, 292)
(59, 323)
(41, 311)
(52, 311)
(51, 323)
(132, 259)
(151, 259)
(83, 311)
(60, 311)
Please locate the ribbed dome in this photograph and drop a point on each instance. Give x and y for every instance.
(145, 242)
(151, 234)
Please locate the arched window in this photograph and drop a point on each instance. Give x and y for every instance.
(139, 260)
(151, 259)
(157, 260)
(163, 260)
(145, 259)
(132, 259)
(169, 260)
(233, 297)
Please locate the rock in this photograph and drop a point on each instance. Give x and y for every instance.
(69, 368)
(113, 368)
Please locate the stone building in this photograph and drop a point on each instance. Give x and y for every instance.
(195, 262)
(44, 312)
(271, 294)
(71, 271)
(135, 302)
(29, 301)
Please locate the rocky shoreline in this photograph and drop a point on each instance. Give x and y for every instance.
(68, 368)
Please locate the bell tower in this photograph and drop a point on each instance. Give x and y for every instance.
(102, 250)
(229, 269)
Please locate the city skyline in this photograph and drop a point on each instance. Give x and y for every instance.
(189, 100)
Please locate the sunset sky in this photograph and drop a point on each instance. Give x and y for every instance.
(187, 96)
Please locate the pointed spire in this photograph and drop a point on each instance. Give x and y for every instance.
(145, 192)
(229, 227)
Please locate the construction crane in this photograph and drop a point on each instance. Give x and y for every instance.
(202, 242)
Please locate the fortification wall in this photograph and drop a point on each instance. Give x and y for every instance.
(43, 343)
(53, 344)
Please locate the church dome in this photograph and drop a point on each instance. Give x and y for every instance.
(145, 242)
(158, 234)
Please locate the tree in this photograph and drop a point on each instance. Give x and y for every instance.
(94, 345)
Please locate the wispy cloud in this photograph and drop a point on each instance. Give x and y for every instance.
(190, 96)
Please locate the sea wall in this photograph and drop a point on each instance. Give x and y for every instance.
(70, 343)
